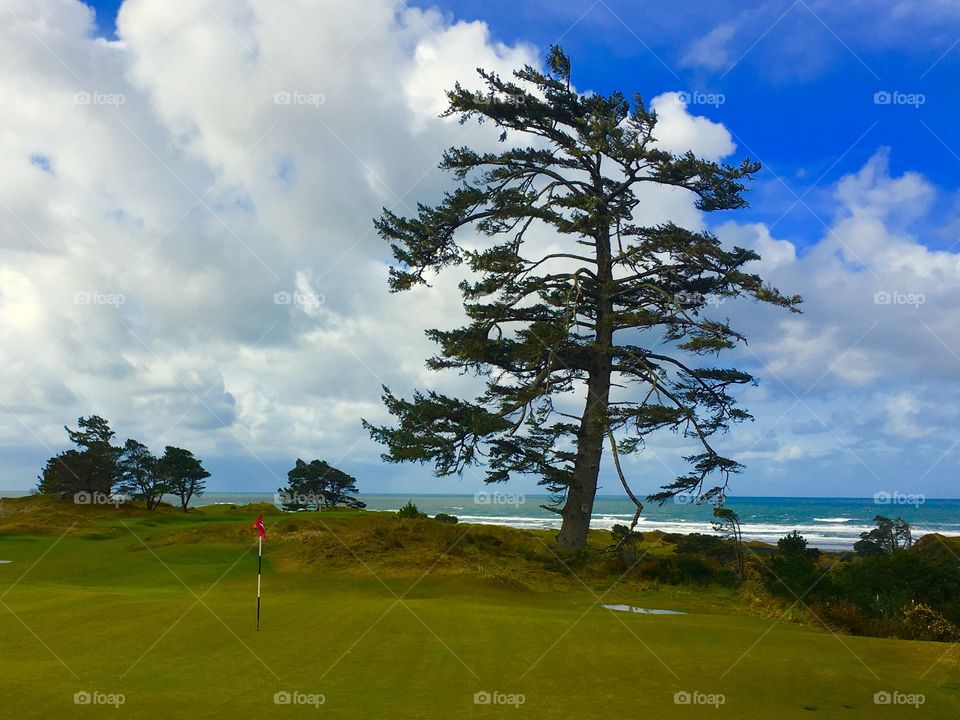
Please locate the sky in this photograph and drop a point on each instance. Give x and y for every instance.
(188, 187)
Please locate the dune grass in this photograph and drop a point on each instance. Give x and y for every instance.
(395, 619)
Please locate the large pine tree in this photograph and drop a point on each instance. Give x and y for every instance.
(620, 305)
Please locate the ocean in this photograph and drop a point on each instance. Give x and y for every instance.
(827, 523)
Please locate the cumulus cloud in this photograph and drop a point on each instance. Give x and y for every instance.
(188, 247)
(679, 131)
(194, 257)
(869, 370)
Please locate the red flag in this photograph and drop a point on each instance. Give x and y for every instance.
(258, 526)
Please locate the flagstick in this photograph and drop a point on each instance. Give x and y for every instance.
(259, 568)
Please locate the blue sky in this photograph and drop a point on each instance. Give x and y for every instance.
(850, 112)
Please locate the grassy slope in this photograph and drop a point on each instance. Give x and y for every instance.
(115, 601)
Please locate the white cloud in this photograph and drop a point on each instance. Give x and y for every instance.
(679, 131)
(712, 51)
(252, 148)
(903, 412)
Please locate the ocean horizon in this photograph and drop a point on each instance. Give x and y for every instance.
(829, 523)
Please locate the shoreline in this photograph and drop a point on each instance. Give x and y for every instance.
(830, 524)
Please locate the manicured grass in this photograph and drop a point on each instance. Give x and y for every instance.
(385, 620)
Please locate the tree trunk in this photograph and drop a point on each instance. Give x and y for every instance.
(578, 508)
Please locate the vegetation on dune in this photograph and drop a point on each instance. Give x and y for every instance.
(910, 593)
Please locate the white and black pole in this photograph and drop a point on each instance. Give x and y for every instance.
(262, 533)
(259, 571)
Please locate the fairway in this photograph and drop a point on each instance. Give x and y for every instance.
(161, 611)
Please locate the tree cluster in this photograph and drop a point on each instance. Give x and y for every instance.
(99, 468)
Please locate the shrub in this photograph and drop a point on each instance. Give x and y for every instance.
(883, 585)
(794, 572)
(922, 622)
(700, 544)
(842, 615)
(677, 569)
(625, 544)
(443, 517)
(410, 512)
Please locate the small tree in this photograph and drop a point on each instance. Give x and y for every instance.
(410, 512)
(91, 468)
(795, 570)
(316, 485)
(304, 487)
(626, 541)
(182, 474)
(727, 523)
(885, 539)
(139, 475)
